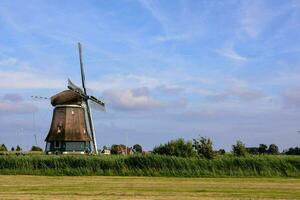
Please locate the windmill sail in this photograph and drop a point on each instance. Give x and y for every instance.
(74, 87)
(89, 115)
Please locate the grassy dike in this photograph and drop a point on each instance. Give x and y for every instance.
(151, 165)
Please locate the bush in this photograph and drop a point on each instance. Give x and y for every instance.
(178, 147)
(3, 147)
(36, 148)
(252, 150)
(239, 149)
(262, 149)
(293, 151)
(204, 147)
(18, 148)
(117, 149)
(273, 149)
(221, 151)
(137, 148)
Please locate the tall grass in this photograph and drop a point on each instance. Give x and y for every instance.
(152, 165)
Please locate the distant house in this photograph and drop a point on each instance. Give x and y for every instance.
(126, 151)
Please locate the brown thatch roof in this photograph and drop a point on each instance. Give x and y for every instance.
(66, 97)
(68, 124)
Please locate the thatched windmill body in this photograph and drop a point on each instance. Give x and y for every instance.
(72, 129)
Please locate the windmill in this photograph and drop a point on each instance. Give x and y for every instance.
(72, 129)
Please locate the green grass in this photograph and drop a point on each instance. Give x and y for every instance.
(112, 187)
(151, 165)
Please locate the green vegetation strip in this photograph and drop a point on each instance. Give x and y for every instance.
(113, 187)
(151, 165)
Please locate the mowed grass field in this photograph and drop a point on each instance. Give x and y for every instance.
(114, 187)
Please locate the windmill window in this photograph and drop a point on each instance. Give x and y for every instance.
(72, 112)
(57, 144)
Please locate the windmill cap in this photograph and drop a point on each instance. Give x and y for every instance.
(66, 97)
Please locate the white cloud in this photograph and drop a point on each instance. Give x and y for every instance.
(254, 18)
(14, 63)
(240, 92)
(291, 98)
(167, 38)
(8, 62)
(8, 108)
(231, 54)
(155, 11)
(12, 97)
(23, 79)
(170, 90)
(126, 81)
(129, 100)
(140, 99)
(178, 27)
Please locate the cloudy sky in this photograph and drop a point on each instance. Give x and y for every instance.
(228, 70)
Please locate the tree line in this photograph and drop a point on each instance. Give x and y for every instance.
(198, 147)
(203, 147)
(18, 148)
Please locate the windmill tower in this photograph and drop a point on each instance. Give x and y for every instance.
(72, 129)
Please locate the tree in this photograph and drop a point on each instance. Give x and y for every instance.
(18, 148)
(221, 151)
(12, 149)
(179, 147)
(117, 148)
(3, 147)
(262, 149)
(239, 149)
(114, 149)
(293, 151)
(137, 148)
(36, 148)
(105, 147)
(273, 149)
(252, 150)
(204, 147)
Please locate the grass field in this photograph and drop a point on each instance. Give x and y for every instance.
(114, 187)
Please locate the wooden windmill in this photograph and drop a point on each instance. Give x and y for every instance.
(72, 129)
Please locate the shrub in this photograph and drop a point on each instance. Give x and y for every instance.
(3, 147)
(239, 149)
(262, 149)
(36, 148)
(204, 147)
(273, 149)
(18, 148)
(252, 150)
(117, 149)
(221, 151)
(293, 151)
(137, 148)
(178, 147)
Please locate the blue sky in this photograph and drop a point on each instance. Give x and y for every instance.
(228, 70)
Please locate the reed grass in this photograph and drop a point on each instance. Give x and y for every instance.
(151, 165)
